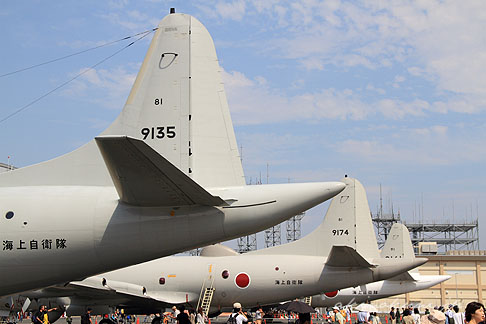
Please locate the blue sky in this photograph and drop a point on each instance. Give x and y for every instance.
(388, 92)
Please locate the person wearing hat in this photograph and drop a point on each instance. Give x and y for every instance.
(450, 315)
(338, 317)
(174, 314)
(435, 317)
(237, 317)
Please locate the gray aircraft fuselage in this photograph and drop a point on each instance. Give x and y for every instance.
(60, 234)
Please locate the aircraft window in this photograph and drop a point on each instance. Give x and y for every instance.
(225, 274)
(162, 281)
(9, 215)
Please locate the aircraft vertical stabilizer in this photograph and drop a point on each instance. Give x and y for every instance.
(179, 88)
(398, 244)
(177, 106)
(347, 222)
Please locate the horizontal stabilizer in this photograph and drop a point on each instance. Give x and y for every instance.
(143, 177)
(346, 257)
(405, 276)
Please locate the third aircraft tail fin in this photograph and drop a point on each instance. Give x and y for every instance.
(398, 244)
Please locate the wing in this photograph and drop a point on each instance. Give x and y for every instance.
(98, 290)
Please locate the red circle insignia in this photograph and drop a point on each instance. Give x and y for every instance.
(242, 280)
(331, 294)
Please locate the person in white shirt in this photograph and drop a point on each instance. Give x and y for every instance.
(259, 315)
(200, 317)
(174, 314)
(363, 317)
(416, 316)
(238, 314)
(338, 317)
(458, 316)
(449, 312)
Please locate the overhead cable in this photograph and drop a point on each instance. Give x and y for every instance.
(74, 54)
(74, 78)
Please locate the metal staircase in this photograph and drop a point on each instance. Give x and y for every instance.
(206, 295)
(308, 300)
(206, 300)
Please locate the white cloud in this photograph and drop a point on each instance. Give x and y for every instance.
(109, 88)
(231, 10)
(399, 78)
(254, 102)
(432, 130)
(442, 39)
(371, 87)
(397, 109)
(117, 4)
(431, 146)
(133, 20)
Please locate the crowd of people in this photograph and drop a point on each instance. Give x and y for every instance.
(181, 315)
(473, 314)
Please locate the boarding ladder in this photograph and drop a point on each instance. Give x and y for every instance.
(206, 295)
(308, 300)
